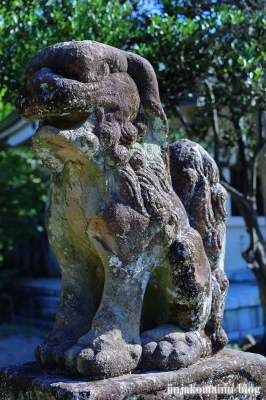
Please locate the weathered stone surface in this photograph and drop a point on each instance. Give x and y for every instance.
(29, 381)
(142, 259)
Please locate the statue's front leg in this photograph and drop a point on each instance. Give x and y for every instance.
(124, 243)
(82, 271)
(82, 274)
(112, 347)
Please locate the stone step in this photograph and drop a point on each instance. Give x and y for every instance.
(37, 300)
(47, 314)
(51, 302)
(43, 324)
(33, 303)
(243, 313)
(39, 286)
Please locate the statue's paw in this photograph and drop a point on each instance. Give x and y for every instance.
(219, 340)
(44, 354)
(103, 358)
(50, 354)
(108, 363)
(59, 352)
(172, 351)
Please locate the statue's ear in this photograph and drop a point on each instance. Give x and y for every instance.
(144, 76)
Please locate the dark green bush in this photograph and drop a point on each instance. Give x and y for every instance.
(23, 194)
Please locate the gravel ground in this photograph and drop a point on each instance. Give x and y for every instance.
(17, 345)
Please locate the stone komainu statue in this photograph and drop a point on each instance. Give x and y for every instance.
(139, 235)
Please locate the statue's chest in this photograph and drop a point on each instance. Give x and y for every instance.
(75, 196)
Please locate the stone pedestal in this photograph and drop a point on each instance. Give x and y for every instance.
(245, 373)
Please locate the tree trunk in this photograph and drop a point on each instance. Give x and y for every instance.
(261, 272)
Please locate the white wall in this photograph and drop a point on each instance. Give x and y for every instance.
(243, 313)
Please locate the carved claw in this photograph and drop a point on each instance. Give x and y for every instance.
(70, 359)
(59, 351)
(43, 354)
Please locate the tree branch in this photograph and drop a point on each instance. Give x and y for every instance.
(258, 150)
(182, 118)
(234, 192)
(243, 151)
(215, 122)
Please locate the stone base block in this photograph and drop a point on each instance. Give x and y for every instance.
(228, 375)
